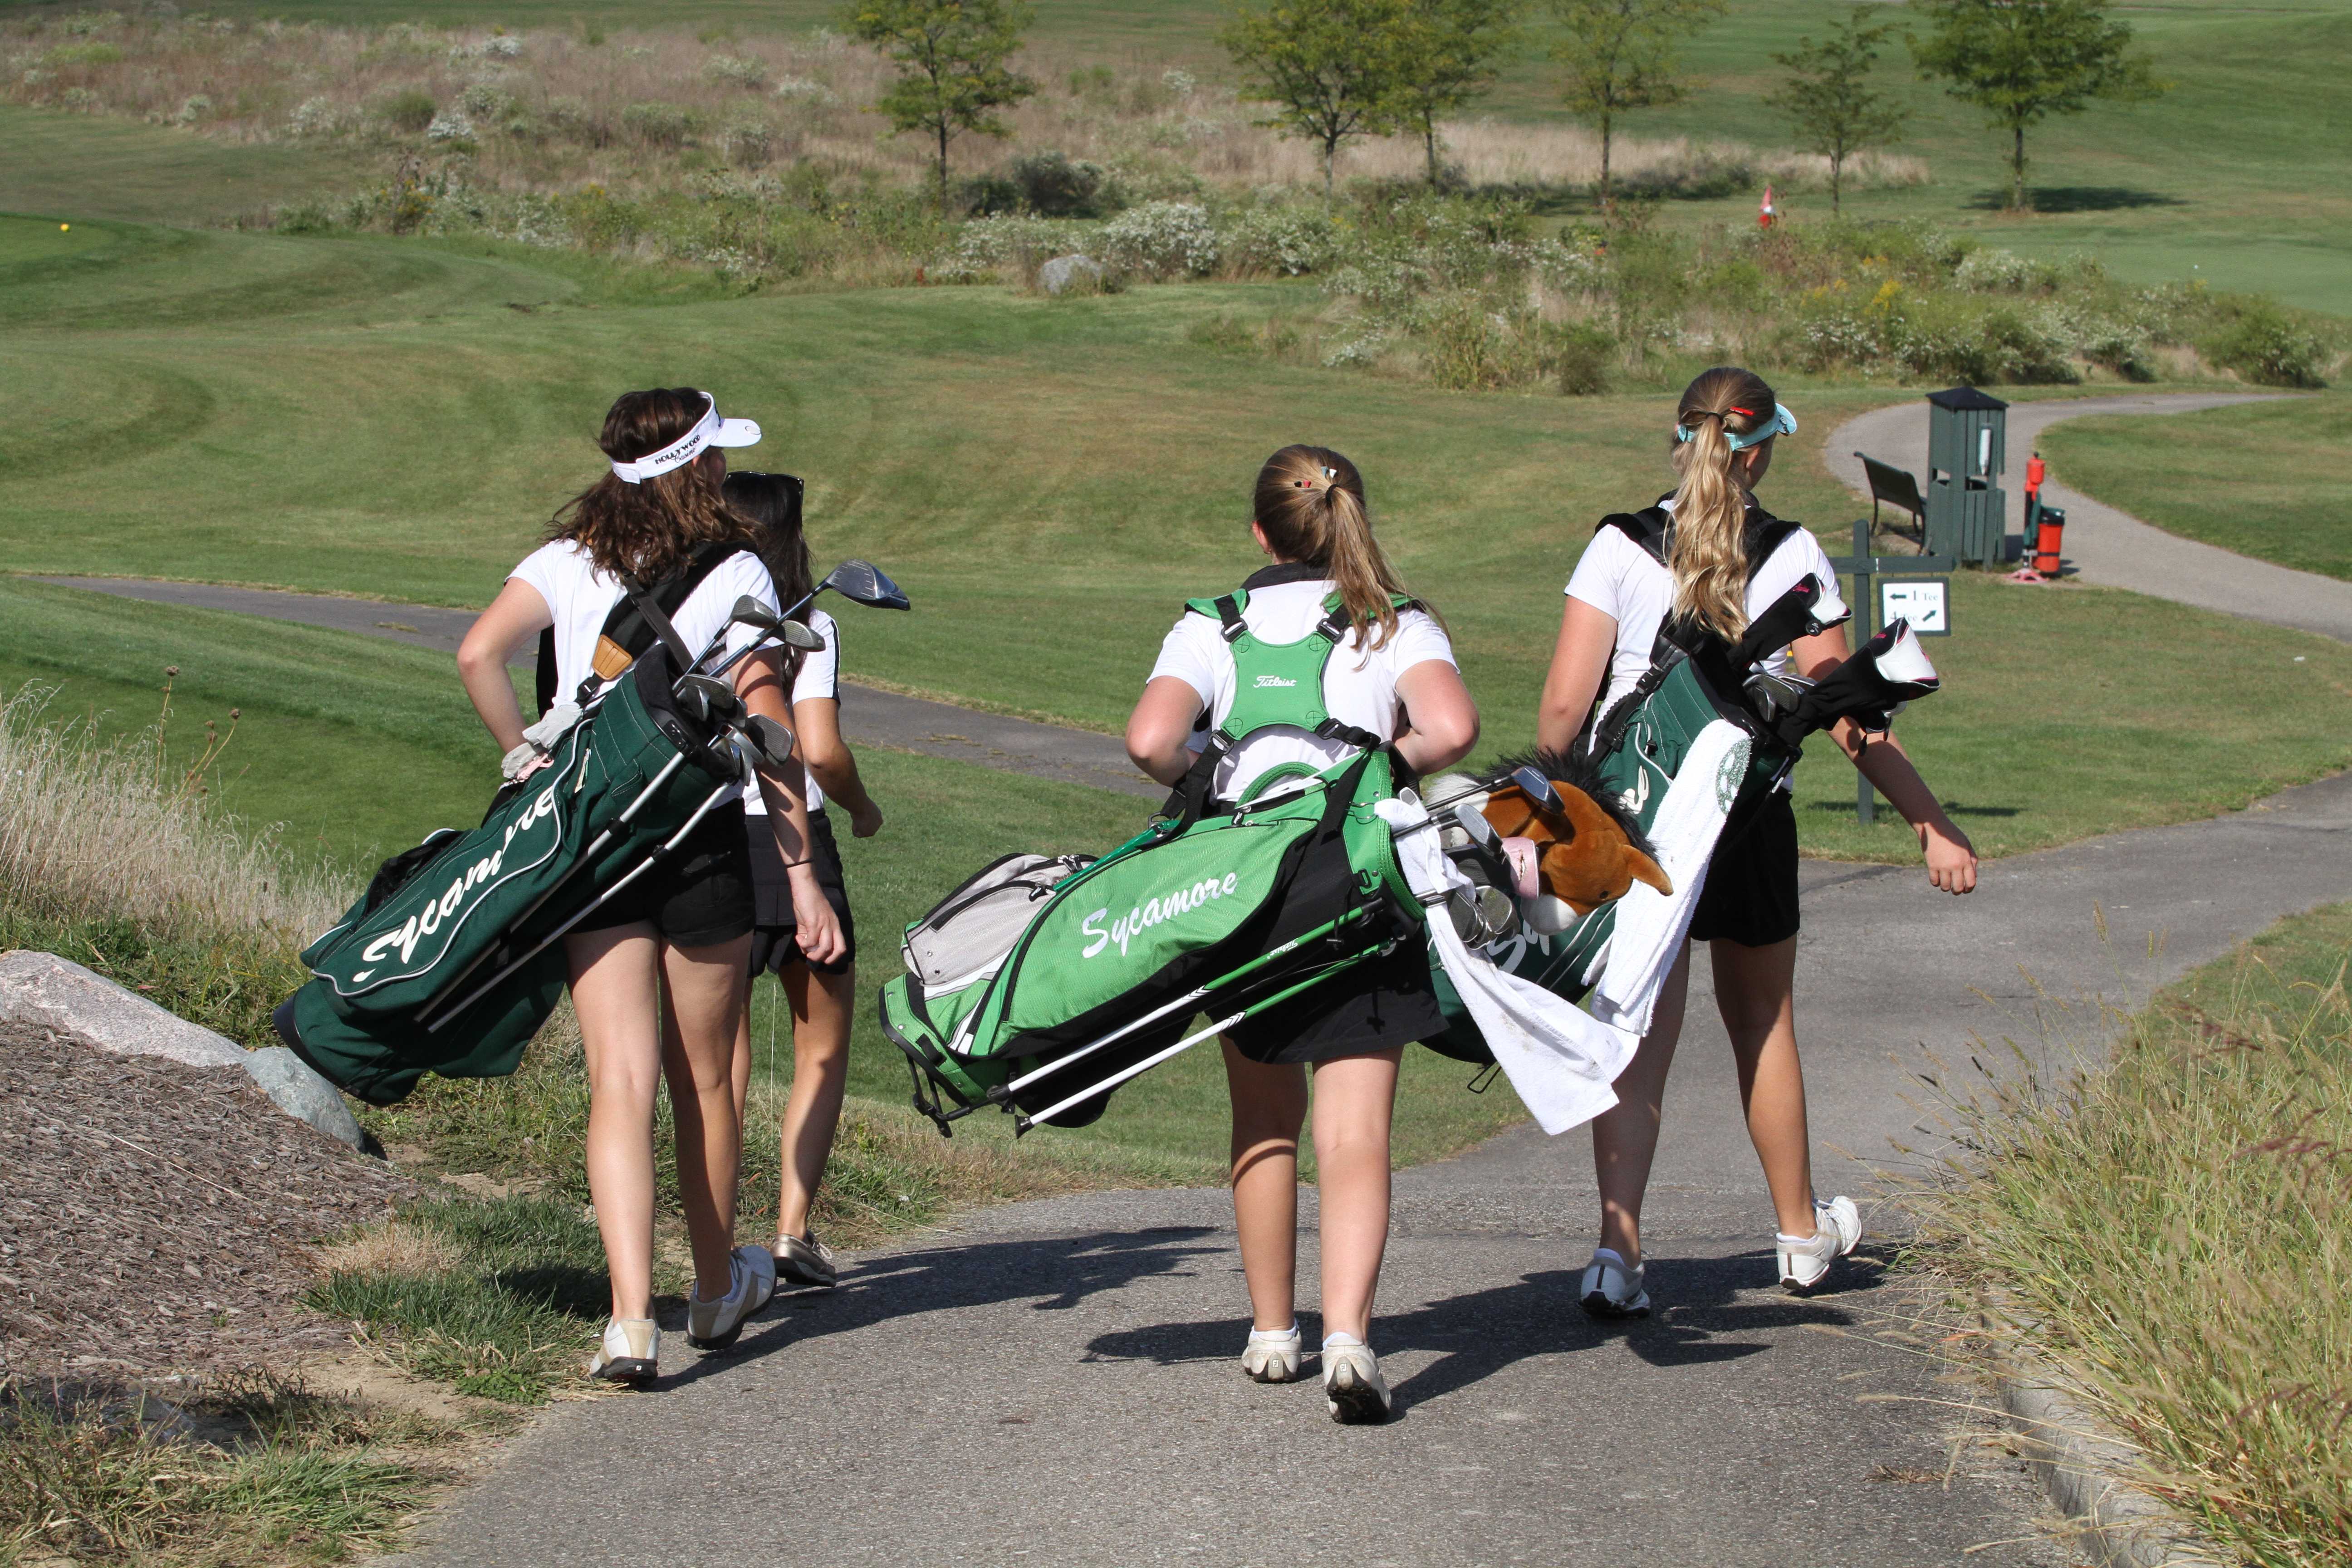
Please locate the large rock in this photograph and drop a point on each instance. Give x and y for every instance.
(45, 992)
(50, 993)
(301, 1093)
(1063, 271)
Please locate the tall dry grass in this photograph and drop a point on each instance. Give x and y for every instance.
(553, 110)
(2175, 1231)
(108, 830)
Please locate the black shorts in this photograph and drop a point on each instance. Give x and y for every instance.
(775, 929)
(1383, 1004)
(700, 897)
(1750, 896)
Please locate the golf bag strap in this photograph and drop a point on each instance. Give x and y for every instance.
(1652, 527)
(641, 619)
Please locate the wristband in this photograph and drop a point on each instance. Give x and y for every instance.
(796, 865)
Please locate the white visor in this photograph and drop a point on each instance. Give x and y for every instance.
(709, 431)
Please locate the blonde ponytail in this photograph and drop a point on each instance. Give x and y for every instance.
(1311, 502)
(1708, 555)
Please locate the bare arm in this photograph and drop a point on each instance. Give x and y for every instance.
(1580, 663)
(1952, 858)
(1159, 728)
(514, 617)
(816, 721)
(785, 790)
(1441, 722)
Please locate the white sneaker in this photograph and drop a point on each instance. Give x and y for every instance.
(1805, 1261)
(1353, 1389)
(751, 1282)
(1273, 1355)
(1610, 1289)
(631, 1351)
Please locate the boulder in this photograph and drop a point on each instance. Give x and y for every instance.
(1060, 273)
(298, 1091)
(46, 992)
(42, 991)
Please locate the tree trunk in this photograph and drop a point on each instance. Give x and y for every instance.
(2017, 169)
(1608, 202)
(1429, 141)
(1837, 171)
(943, 168)
(1330, 154)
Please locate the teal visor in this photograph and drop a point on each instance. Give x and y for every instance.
(1782, 422)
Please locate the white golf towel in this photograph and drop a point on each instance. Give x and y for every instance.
(1650, 925)
(1559, 1060)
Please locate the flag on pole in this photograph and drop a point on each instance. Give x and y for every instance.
(1764, 213)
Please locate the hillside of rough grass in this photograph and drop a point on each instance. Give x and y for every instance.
(2175, 1227)
(2235, 178)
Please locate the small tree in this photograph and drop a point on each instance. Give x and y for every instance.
(1328, 67)
(1829, 94)
(951, 56)
(2022, 61)
(1619, 56)
(1445, 53)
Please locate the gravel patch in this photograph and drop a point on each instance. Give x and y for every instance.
(157, 1220)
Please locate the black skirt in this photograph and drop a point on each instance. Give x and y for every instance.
(1378, 1005)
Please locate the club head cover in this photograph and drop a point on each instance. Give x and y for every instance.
(1583, 857)
(1869, 688)
(1903, 661)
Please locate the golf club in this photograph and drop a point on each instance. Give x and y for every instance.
(860, 581)
(770, 741)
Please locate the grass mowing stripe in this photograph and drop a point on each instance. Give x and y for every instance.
(2269, 480)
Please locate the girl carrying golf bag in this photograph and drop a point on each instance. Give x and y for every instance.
(1318, 657)
(1701, 607)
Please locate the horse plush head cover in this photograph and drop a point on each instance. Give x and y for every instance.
(1586, 854)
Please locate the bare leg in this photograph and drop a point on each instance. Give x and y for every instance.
(706, 986)
(1754, 991)
(1354, 1099)
(822, 1006)
(1269, 1104)
(616, 991)
(1625, 1136)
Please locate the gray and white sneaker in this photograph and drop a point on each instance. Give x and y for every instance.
(1273, 1355)
(1354, 1391)
(631, 1353)
(805, 1260)
(1805, 1261)
(1611, 1289)
(751, 1283)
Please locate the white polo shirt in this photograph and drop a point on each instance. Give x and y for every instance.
(580, 598)
(818, 676)
(1359, 687)
(1621, 579)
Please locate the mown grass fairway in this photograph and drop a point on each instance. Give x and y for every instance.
(1051, 479)
(2273, 480)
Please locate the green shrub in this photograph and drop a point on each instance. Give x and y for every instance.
(743, 71)
(2270, 348)
(95, 54)
(409, 111)
(1583, 351)
(658, 124)
(1051, 185)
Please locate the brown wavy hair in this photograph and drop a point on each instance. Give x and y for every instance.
(647, 530)
(1310, 501)
(1708, 555)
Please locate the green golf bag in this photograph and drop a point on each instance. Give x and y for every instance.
(1231, 908)
(452, 960)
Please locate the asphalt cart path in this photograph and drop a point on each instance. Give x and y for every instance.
(1056, 1381)
(869, 715)
(2108, 546)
